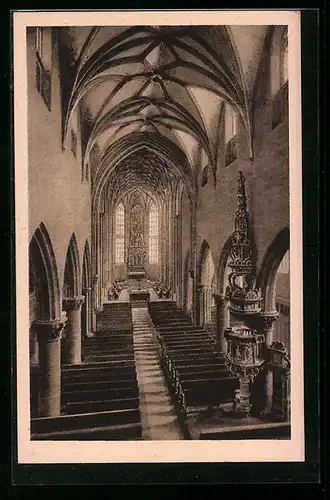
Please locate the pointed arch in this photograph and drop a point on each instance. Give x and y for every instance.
(204, 249)
(205, 275)
(266, 279)
(86, 267)
(186, 278)
(43, 272)
(71, 282)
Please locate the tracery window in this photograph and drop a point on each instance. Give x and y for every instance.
(153, 234)
(120, 234)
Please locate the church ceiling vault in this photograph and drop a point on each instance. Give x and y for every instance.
(168, 83)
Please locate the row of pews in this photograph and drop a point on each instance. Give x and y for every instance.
(99, 397)
(196, 373)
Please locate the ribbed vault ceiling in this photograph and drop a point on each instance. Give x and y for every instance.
(164, 82)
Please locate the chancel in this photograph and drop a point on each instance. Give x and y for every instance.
(159, 262)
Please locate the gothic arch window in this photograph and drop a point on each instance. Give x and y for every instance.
(44, 63)
(207, 281)
(153, 234)
(230, 134)
(120, 234)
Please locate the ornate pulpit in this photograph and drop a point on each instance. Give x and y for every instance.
(245, 354)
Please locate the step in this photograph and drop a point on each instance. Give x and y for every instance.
(102, 373)
(188, 375)
(192, 341)
(256, 431)
(182, 351)
(101, 394)
(100, 406)
(90, 385)
(108, 340)
(178, 330)
(109, 357)
(84, 420)
(116, 432)
(192, 357)
(107, 352)
(206, 380)
(198, 368)
(100, 365)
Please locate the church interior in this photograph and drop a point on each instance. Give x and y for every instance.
(159, 266)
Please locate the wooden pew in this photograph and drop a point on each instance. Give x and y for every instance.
(276, 430)
(87, 424)
(125, 391)
(105, 405)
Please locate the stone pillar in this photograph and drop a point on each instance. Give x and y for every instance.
(200, 289)
(244, 395)
(48, 333)
(88, 297)
(72, 306)
(222, 322)
(94, 302)
(267, 320)
(287, 397)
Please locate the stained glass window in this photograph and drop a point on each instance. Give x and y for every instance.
(120, 234)
(153, 234)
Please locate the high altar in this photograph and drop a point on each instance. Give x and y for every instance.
(137, 249)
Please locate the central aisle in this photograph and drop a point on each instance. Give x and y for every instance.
(158, 417)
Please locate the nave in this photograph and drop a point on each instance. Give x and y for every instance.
(159, 232)
(149, 374)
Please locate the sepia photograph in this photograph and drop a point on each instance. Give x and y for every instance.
(158, 192)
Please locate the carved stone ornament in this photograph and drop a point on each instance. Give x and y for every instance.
(278, 345)
(265, 320)
(279, 358)
(243, 297)
(73, 304)
(243, 346)
(49, 330)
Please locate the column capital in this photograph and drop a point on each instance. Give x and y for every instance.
(72, 304)
(49, 330)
